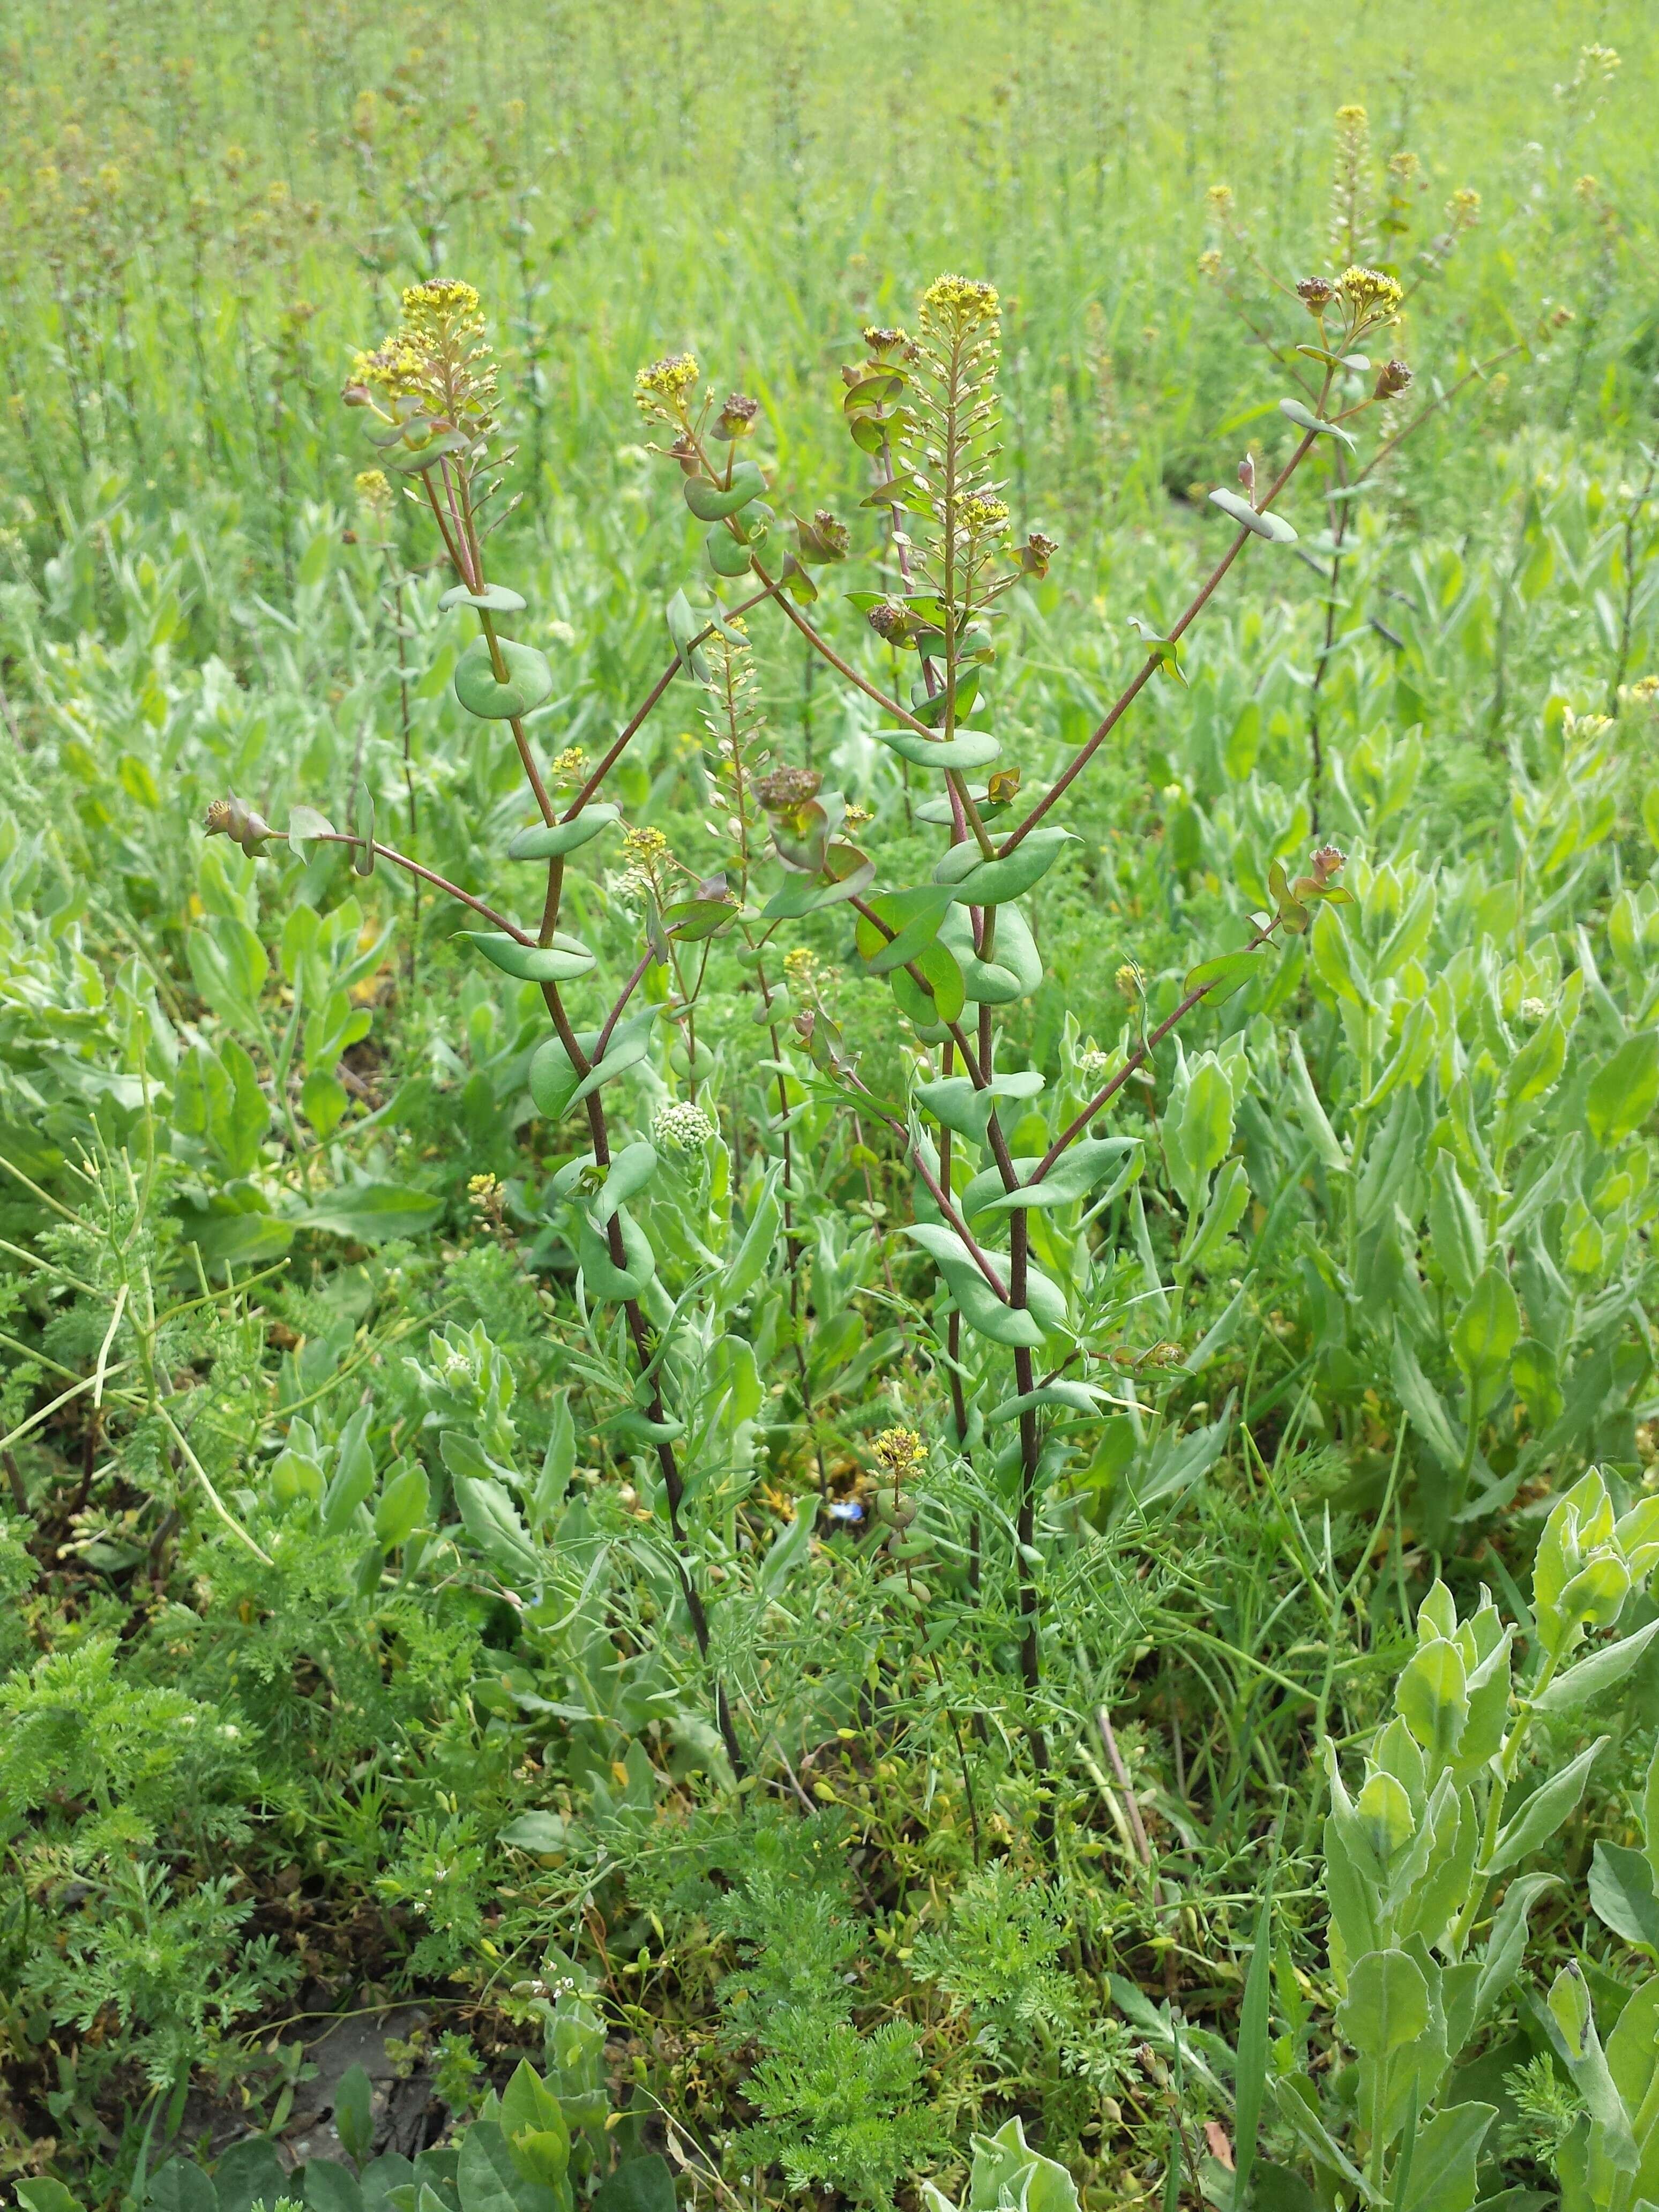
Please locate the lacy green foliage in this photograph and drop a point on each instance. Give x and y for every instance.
(328, 1423)
(171, 1973)
(144, 1762)
(840, 2108)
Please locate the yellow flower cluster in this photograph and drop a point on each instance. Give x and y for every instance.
(959, 303)
(981, 515)
(569, 765)
(436, 356)
(1463, 208)
(373, 489)
(898, 1452)
(665, 381)
(1370, 295)
(442, 310)
(644, 847)
(1219, 199)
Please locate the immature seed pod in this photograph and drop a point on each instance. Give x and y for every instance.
(230, 818)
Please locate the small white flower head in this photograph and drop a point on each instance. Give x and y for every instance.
(681, 1127)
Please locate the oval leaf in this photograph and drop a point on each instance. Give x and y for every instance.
(495, 598)
(1272, 527)
(990, 883)
(305, 824)
(967, 749)
(550, 840)
(565, 958)
(713, 502)
(1294, 410)
(529, 680)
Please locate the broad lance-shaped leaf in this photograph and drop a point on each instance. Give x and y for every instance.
(1489, 1690)
(1488, 1328)
(1387, 2003)
(759, 1239)
(535, 1831)
(1432, 1699)
(561, 962)
(331, 2187)
(486, 1507)
(548, 840)
(180, 2185)
(369, 1212)
(1222, 976)
(1621, 1895)
(1506, 1945)
(789, 1549)
(1424, 1404)
(643, 2184)
(1074, 1397)
(1633, 2064)
(353, 1472)
(1602, 1670)
(1572, 2021)
(1270, 525)
(489, 2178)
(1442, 2176)
(1297, 2108)
(1545, 1811)
(1625, 1091)
(683, 626)
(482, 691)
(403, 1507)
(533, 2123)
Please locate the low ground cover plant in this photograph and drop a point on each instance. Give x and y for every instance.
(826, 1248)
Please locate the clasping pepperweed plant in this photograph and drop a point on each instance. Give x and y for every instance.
(1019, 1333)
(1377, 212)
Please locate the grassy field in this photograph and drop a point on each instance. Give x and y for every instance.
(737, 1645)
